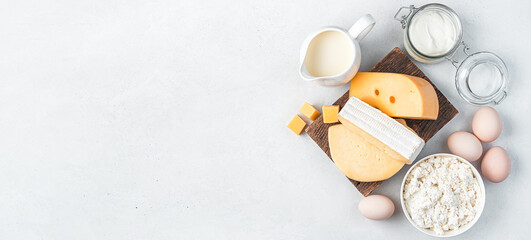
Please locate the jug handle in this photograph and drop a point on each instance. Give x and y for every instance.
(363, 26)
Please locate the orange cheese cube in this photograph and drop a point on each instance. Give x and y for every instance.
(330, 113)
(297, 124)
(309, 111)
(396, 95)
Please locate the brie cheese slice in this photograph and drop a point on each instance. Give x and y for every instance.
(381, 130)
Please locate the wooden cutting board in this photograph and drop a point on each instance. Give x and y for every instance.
(396, 62)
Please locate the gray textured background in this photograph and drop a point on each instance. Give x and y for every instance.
(167, 120)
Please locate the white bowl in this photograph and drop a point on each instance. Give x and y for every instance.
(461, 229)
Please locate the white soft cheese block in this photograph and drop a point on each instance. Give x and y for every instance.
(387, 133)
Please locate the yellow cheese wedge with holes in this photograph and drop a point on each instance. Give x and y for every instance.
(396, 95)
(357, 158)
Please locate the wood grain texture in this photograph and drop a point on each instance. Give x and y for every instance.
(395, 62)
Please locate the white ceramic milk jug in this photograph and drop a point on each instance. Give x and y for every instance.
(331, 56)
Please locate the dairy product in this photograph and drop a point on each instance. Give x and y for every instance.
(432, 33)
(309, 111)
(329, 53)
(297, 124)
(330, 113)
(442, 194)
(397, 95)
(357, 158)
(381, 130)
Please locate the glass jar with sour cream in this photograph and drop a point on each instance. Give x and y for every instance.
(433, 33)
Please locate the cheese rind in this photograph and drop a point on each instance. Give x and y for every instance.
(403, 122)
(396, 95)
(309, 111)
(381, 130)
(330, 113)
(357, 158)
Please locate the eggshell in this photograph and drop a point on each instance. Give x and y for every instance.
(376, 207)
(465, 145)
(487, 125)
(496, 165)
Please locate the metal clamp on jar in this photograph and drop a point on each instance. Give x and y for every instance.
(433, 33)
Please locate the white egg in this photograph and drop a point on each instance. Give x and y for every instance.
(376, 207)
(465, 145)
(496, 165)
(487, 125)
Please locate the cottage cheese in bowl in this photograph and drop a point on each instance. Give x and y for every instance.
(442, 195)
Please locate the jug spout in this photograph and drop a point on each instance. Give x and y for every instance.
(305, 74)
(328, 81)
